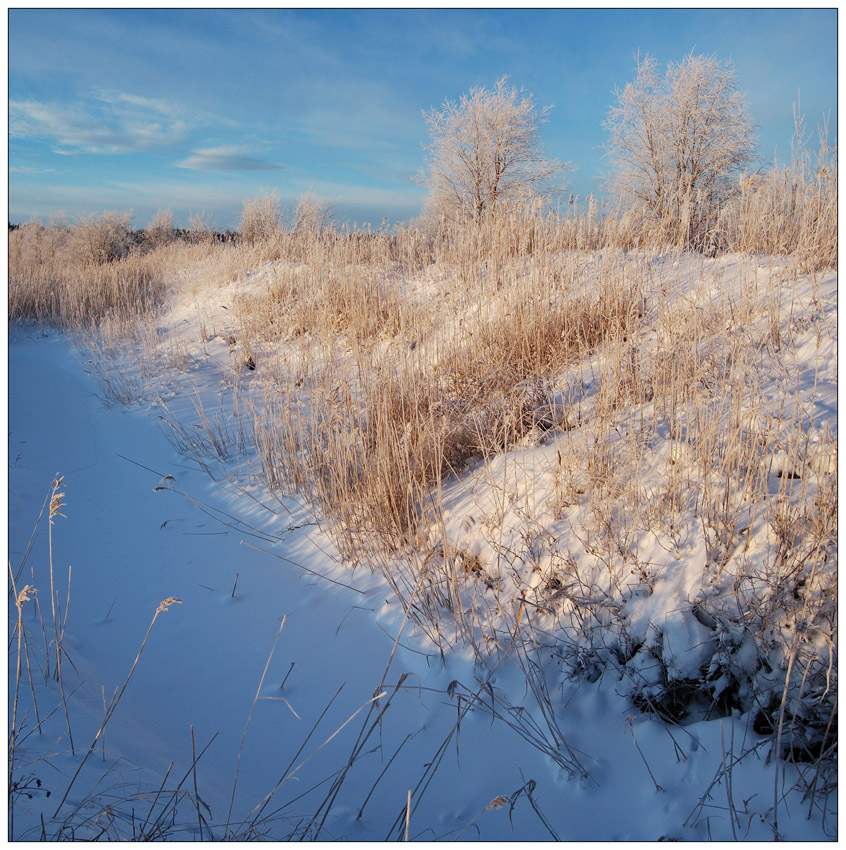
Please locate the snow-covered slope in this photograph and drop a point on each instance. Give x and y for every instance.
(349, 712)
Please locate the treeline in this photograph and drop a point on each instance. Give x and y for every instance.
(141, 237)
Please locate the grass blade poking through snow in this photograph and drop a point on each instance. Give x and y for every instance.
(57, 502)
(290, 774)
(247, 726)
(163, 606)
(20, 598)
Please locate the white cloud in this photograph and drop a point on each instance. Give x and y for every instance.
(108, 122)
(226, 158)
(30, 169)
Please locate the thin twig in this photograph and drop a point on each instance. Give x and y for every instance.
(196, 793)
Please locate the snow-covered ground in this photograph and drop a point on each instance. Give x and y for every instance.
(348, 706)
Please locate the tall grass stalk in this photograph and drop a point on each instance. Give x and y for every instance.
(113, 704)
(20, 598)
(56, 503)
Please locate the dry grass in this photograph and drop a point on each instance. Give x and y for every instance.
(789, 210)
(386, 376)
(73, 276)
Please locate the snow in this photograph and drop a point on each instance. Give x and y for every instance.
(142, 523)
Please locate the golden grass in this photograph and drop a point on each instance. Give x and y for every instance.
(383, 364)
(76, 276)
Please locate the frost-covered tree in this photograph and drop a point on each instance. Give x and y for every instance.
(679, 141)
(485, 152)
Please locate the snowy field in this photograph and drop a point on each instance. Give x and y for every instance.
(284, 694)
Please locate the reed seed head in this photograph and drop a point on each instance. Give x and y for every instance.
(27, 593)
(171, 600)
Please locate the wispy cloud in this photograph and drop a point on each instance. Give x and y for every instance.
(107, 122)
(30, 169)
(227, 158)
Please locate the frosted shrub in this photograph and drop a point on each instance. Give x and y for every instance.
(160, 230)
(103, 239)
(313, 214)
(260, 219)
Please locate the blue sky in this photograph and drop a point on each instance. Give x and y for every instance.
(198, 110)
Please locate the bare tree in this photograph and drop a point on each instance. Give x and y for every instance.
(680, 141)
(485, 152)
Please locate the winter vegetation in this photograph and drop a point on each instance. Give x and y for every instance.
(679, 143)
(485, 154)
(576, 461)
